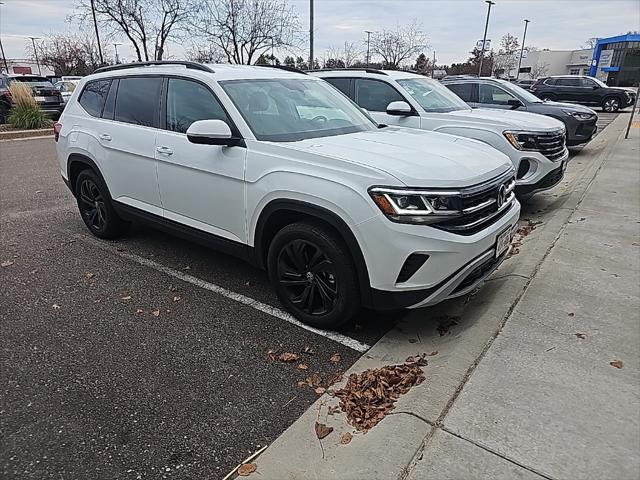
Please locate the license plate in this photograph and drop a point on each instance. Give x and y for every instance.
(41, 99)
(503, 241)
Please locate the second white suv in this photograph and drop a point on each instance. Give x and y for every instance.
(535, 144)
(282, 170)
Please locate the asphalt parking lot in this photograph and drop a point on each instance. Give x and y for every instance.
(134, 358)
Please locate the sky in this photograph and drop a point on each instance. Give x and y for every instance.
(452, 26)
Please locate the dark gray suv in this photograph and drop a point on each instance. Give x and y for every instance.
(579, 121)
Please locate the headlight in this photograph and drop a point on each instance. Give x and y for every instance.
(579, 115)
(416, 206)
(522, 140)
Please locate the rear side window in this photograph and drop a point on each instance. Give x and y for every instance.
(375, 95)
(341, 84)
(463, 90)
(137, 100)
(94, 95)
(188, 102)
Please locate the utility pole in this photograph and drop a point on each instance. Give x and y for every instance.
(311, 56)
(433, 64)
(35, 52)
(368, 43)
(115, 45)
(524, 37)
(4, 59)
(95, 25)
(484, 39)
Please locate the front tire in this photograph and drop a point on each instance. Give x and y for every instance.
(313, 275)
(96, 209)
(610, 104)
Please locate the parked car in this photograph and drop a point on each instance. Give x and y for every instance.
(282, 170)
(46, 95)
(583, 90)
(66, 88)
(579, 121)
(525, 83)
(5, 98)
(534, 143)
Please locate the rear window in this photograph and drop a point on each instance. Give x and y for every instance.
(341, 84)
(137, 100)
(30, 79)
(94, 95)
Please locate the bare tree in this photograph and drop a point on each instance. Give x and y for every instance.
(538, 70)
(68, 54)
(147, 24)
(507, 56)
(589, 43)
(397, 46)
(348, 54)
(246, 29)
(205, 54)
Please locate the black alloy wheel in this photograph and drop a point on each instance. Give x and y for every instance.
(94, 203)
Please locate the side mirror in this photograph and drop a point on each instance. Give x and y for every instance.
(514, 103)
(399, 108)
(212, 132)
(595, 87)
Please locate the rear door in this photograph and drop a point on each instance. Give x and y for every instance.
(202, 186)
(375, 95)
(591, 92)
(128, 137)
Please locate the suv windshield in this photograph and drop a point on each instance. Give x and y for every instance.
(433, 96)
(520, 92)
(287, 110)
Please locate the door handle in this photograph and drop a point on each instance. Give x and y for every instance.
(106, 137)
(164, 150)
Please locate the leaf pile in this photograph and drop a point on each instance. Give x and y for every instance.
(520, 234)
(369, 396)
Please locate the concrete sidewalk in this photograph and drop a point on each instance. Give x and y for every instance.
(514, 392)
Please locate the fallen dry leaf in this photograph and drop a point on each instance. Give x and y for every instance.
(246, 469)
(303, 366)
(571, 314)
(187, 268)
(89, 275)
(320, 390)
(288, 357)
(156, 313)
(177, 299)
(435, 352)
(55, 306)
(127, 297)
(445, 324)
(333, 410)
(139, 311)
(322, 430)
(336, 358)
(308, 350)
(7, 263)
(172, 288)
(346, 438)
(617, 363)
(581, 336)
(335, 378)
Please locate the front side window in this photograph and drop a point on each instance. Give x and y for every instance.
(375, 95)
(568, 82)
(432, 95)
(463, 90)
(137, 100)
(518, 91)
(188, 102)
(289, 110)
(94, 95)
(493, 95)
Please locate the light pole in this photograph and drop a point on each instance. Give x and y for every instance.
(115, 45)
(524, 37)
(311, 56)
(433, 64)
(4, 59)
(35, 52)
(368, 43)
(95, 25)
(484, 39)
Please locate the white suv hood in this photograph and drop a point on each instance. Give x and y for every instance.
(415, 157)
(508, 119)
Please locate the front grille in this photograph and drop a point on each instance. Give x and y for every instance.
(552, 145)
(479, 272)
(482, 205)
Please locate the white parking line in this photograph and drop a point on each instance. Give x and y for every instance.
(238, 297)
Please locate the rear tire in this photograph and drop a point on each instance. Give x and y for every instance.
(313, 274)
(96, 209)
(610, 104)
(547, 98)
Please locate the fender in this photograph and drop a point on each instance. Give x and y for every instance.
(77, 158)
(310, 210)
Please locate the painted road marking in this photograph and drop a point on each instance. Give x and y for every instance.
(238, 297)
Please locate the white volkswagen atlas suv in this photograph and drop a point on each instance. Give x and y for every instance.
(535, 144)
(284, 171)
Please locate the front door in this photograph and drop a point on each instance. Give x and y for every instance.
(202, 186)
(569, 89)
(494, 96)
(375, 96)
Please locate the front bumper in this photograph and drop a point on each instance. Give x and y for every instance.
(456, 265)
(534, 177)
(550, 180)
(580, 131)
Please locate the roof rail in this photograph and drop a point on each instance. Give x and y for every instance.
(288, 68)
(124, 66)
(362, 69)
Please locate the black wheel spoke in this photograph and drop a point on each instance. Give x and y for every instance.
(323, 266)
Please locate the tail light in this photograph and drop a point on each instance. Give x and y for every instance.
(56, 130)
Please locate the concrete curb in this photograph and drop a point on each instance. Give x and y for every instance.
(391, 448)
(26, 134)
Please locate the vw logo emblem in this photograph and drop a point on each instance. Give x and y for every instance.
(501, 196)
